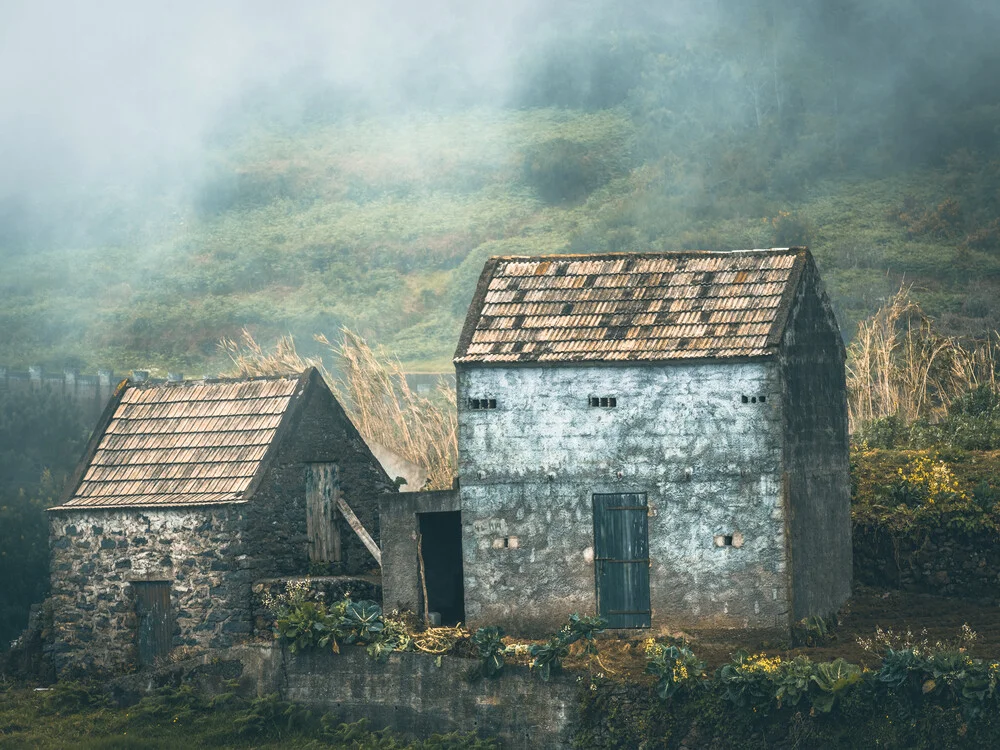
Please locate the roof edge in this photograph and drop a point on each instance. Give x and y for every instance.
(95, 440)
(142, 506)
(783, 313)
(651, 254)
(476, 306)
(307, 379)
(675, 362)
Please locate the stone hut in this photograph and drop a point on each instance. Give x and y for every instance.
(190, 491)
(660, 438)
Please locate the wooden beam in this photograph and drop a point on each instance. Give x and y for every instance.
(355, 524)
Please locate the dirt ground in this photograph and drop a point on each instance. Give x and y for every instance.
(942, 619)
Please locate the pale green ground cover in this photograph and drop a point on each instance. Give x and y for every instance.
(383, 226)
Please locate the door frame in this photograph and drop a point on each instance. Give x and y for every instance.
(642, 618)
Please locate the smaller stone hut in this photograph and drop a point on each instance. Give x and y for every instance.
(190, 491)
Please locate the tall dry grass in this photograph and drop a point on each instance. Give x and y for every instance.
(373, 390)
(898, 365)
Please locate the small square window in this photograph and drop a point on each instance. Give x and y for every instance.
(763, 399)
(727, 540)
(745, 399)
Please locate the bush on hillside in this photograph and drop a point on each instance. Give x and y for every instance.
(563, 171)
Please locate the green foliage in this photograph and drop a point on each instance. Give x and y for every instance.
(42, 434)
(67, 698)
(488, 647)
(674, 666)
(830, 679)
(909, 494)
(767, 683)
(363, 622)
(547, 657)
(811, 631)
(972, 424)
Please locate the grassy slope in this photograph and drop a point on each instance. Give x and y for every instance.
(383, 227)
(71, 716)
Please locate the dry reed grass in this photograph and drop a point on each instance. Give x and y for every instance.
(373, 390)
(898, 365)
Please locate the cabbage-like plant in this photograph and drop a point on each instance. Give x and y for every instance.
(829, 680)
(673, 666)
(487, 643)
(362, 621)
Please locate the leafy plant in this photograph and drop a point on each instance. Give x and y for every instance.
(489, 648)
(362, 622)
(547, 657)
(675, 667)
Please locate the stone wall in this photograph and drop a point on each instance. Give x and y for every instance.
(96, 554)
(816, 452)
(709, 463)
(412, 695)
(943, 562)
(322, 433)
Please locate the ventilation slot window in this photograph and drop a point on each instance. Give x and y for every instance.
(753, 399)
(605, 402)
(479, 404)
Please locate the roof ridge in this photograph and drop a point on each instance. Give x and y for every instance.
(655, 254)
(211, 380)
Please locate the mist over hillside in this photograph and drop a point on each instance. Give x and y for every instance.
(173, 174)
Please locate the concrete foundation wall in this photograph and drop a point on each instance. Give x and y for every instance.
(409, 694)
(710, 465)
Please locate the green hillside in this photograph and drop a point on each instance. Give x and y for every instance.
(755, 124)
(383, 226)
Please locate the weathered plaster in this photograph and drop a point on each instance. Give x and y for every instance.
(709, 464)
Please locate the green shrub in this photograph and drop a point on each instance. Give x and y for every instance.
(563, 171)
(547, 657)
(675, 667)
(488, 647)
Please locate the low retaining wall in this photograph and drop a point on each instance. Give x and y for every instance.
(943, 562)
(409, 694)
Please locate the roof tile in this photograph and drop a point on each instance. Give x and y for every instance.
(649, 307)
(189, 443)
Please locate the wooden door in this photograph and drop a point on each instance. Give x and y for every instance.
(621, 559)
(322, 490)
(156, 620)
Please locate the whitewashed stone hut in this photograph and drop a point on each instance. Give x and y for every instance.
(189, 492)
(660, 438)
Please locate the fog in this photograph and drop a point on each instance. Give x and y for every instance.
(115, 90)
(118, 116)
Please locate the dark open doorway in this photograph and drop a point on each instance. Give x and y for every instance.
(441, 546)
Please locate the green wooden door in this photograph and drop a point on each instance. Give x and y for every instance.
(621, 559)
(156, 620)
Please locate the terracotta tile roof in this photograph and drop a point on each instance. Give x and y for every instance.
(642, 306)
(187, 443)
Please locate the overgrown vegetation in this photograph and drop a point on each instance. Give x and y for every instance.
(373, 390)
(41, 436)
(80, 716)
(915, 694)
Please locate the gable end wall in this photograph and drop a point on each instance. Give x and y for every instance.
(276, 516)
(816, 452)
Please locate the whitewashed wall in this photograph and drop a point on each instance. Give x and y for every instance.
(710, 465)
